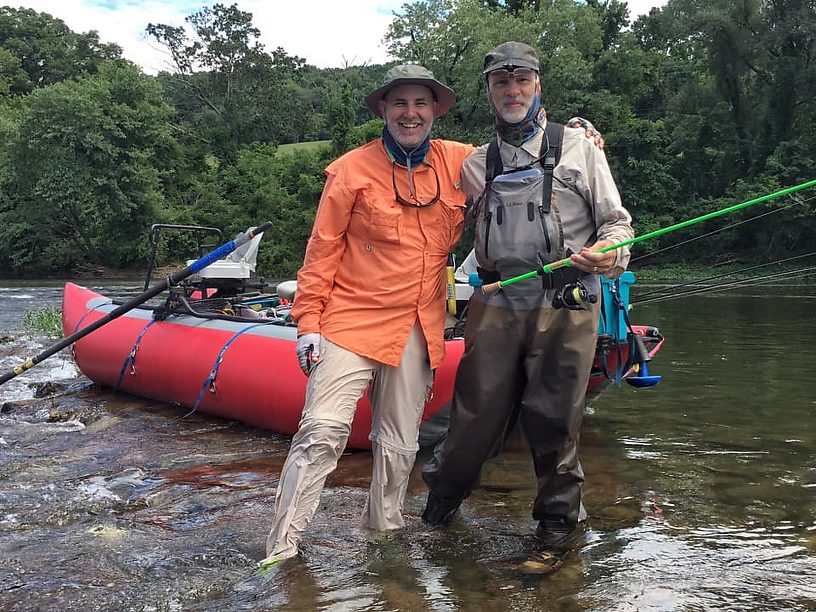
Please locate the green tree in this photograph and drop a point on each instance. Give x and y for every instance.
(228, 90)
(47, 51)
(82, 176)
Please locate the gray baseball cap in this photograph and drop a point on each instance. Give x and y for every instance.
(412, 74)
(510, 55)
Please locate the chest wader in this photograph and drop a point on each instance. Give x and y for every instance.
(531, 365)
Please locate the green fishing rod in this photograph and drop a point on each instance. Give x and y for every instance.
(566, 262)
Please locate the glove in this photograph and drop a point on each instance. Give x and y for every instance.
(591, 131)
(575, 122)
(308, 351)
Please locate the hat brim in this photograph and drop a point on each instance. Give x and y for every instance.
(445, 98)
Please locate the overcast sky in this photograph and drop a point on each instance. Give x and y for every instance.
(310, 29)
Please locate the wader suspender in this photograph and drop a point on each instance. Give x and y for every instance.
(549, 156)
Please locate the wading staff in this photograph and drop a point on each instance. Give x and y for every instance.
(565, 263)
(171, 281)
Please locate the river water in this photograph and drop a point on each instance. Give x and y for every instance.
(701, 491)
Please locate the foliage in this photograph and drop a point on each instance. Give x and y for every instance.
(38, 50)
(83, 168)
(703, 104)
(227, 90)
(47, 320)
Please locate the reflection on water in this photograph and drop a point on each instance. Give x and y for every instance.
(700, 492)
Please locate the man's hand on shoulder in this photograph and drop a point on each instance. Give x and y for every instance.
(589, 130)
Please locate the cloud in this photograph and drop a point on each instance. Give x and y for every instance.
(326, 33)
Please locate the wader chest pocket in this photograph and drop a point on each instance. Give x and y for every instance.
(516, 230)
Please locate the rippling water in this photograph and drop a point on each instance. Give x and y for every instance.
(701, 492)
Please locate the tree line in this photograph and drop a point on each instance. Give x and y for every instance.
(702, 103)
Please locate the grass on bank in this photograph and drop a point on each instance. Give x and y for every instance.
(286, 149)
(46, 320)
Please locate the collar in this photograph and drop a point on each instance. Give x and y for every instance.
(531, 146)
(398, 154)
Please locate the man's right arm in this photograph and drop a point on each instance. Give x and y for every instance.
(323, 254)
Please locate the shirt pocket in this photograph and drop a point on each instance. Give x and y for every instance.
(385, 225)
(454, 211)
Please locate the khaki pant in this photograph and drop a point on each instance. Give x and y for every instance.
(338, 380)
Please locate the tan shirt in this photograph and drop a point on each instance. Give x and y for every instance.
(585, 192)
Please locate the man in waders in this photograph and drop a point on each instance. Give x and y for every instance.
(539, 193)
(370, 303)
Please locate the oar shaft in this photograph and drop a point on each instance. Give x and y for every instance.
(171, 281)
(566, 262)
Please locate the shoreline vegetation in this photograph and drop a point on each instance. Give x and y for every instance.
(660, 273)
(93, 151)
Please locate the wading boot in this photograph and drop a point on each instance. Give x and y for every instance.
(439, 511)
(554, 538)
(556, 534)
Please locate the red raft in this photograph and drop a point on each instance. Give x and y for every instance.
(242, 370)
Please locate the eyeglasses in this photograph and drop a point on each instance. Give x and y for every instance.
(501, 78)
(413, 202)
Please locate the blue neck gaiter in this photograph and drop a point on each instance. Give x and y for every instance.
(517, 134)
(400, 155)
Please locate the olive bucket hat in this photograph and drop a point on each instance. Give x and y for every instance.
(510, 55)
(411, 74)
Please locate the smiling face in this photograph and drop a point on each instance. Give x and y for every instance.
(512, 93)
(409, 111)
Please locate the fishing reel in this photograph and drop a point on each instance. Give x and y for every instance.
(573, 296)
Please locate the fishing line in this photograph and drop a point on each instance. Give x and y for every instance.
(722, 229)
(755, 280)
(567, 262)
(672, 288)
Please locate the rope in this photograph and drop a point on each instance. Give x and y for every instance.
(131, 358)
(209, 383)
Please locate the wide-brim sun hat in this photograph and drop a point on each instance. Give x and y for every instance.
(510, 55)
(412, 74)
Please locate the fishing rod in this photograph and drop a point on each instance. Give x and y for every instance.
(171, 281)
(722, 229)
(566, 262)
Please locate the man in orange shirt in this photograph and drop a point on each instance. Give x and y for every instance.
(370, 303)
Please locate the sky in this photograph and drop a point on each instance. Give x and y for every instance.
(310, 29)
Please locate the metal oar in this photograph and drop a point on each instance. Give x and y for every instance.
(171, 281)
(565, 263)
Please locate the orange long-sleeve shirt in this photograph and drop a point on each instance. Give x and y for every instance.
(373, 266)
